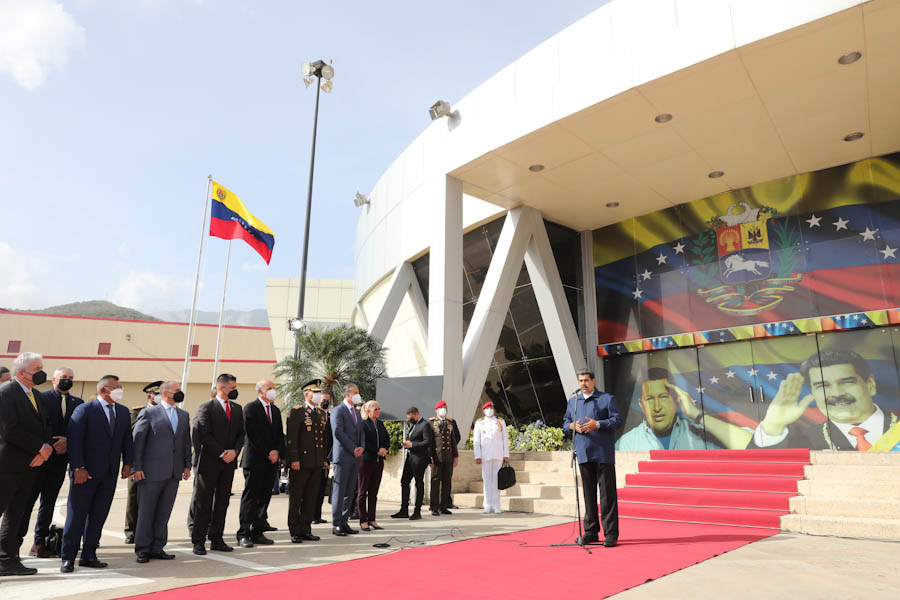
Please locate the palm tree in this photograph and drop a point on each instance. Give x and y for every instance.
(337, 356)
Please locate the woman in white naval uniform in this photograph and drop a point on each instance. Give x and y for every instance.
(491, 450)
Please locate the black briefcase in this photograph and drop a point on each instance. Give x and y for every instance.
(53, 543)
(506, 477)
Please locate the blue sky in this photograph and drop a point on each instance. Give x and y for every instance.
(113, 112)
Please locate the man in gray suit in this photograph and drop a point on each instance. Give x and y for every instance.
(162, 457)
(346, 426)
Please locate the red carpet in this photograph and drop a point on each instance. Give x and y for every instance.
(727, 487)
(517, 565)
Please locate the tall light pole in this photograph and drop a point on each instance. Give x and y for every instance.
(312, 71)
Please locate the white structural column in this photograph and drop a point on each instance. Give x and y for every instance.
(359, 315)
(445, 281)
(589, 284)
(403, 282)
(551, 300)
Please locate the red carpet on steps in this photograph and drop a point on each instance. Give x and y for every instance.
(518, 565)
(749, 488)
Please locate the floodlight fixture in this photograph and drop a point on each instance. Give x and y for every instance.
(360, 200)
(439, 109)
(326, 86)
(296, 325)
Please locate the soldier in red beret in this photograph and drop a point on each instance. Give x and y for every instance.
(445, 456)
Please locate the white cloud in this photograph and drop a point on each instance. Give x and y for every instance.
(255, 266)
(36, 37)
(18, 289)
(148, 291)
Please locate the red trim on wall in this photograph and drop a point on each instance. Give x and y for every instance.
(150, 359)
(32, 314)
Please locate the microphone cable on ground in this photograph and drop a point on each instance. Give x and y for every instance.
(454, 533)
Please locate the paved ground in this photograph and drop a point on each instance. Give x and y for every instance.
(784, 566)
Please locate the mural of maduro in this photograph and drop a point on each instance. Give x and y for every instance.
(663, 428)
(844, 391)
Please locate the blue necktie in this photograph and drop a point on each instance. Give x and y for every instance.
(112, 417)
(173, 418)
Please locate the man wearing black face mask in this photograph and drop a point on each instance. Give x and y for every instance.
(131, 508)
(58, 405)
(418, 444)
(219, 434)
(24, 445)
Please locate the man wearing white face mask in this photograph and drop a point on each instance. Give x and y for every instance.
(445, 456)
(491, 450)
(307, 458)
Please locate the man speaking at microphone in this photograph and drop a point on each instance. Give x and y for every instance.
(593, 417)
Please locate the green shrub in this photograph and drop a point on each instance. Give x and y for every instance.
(395, 431)
(536, 437)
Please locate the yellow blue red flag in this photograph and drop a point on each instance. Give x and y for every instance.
(232, 221)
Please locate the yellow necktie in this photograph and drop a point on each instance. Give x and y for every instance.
(33, 402)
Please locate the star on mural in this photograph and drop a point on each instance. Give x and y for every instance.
(730, 374)
(700, 390)
(863, 321)
(792, 329)
(638, 293)
(813, 221)
(752, 372)
(888, 252)
(841, 223)
(646, 275)
(714, 379)
(868, 234)
(679, 248)
(772, 376)
(661, 259)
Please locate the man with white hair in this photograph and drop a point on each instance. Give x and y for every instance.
(24, 446)
(58, 405)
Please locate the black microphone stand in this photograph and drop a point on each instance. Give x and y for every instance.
(580, 540)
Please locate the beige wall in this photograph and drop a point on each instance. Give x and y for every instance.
(154, 351)
(326, 301)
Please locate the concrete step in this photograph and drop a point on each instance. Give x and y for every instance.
(541, 466)
(531, 490)
(858, 472)
(858, 527)
(846, 507)
(877, 490)
(519, 504)
(834, 457)
(544, 478)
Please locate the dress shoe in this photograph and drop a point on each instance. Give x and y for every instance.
(402, 514)
(444, 511)
(14, 567)
(415, 516)
(66, 567)
(39, 551)
(349, 530)
(162, 555)
(319, 521)
(435, 513)
(376, 525)
(142, 558)
(129, 539)
(244, 542)
(199, 549)
(309, 537)
(587, 539)
(262, 540)
(92, 563)
(453, 506)
(296, 539)
(338, 531)
(611, 542)
(220, 546)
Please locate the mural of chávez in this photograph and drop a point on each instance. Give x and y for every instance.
(664, 429)
(844, 393)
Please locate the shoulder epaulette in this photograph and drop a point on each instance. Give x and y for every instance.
(432, 418)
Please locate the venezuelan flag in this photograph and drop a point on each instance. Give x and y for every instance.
(232, 221)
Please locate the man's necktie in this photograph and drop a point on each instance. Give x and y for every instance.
(353, 412)
(861, 444)
(228, 409)
(62, 407)
(112, 417)
(33, 401)
(268, 413)
(173, 418)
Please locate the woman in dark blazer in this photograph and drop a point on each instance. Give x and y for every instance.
(374, 451)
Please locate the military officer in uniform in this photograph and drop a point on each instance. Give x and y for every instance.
(307, 457)
(445, 456)
(131, 508)
(323, 401)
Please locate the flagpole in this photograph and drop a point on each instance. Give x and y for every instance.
(190, 335)
(221, 314)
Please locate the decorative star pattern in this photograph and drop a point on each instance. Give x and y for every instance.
(679, 248)
(888, 252)
(772, 376)
(646, 275)
(841, 223)
(753, 372)
(729, 374)
(814, 221)
(638, 294)
(868, 234)
(714, 380)
(661, 259)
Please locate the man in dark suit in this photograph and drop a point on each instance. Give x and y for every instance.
(162, 458)
(58, 405)
(323, 402)
(263, 449)
(131, 509)
(308, 459)
(419, 445)
(99, 435)
(24, 446)
(218, 438)
(347, 451)
(593, 418)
